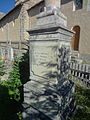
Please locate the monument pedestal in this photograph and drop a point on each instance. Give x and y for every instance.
(49, 92)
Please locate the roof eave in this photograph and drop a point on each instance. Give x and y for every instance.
(35, 5)
(20, 4)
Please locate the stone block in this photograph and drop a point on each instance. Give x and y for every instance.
(49, 91)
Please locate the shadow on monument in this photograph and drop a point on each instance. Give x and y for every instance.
(50, 103)
(24, 67)
(49, 100)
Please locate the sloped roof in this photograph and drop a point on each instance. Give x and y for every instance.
(35, 3)
(5, 15)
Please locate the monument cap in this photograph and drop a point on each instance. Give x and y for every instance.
(52, 4)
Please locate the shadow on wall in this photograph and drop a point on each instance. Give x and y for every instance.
(48, 100)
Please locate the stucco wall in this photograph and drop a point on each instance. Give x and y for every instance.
(10, 27)
(13, 27)
(25, 23)
(79, 17)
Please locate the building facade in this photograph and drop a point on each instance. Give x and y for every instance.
(78, 19)
(14, 25)
(13, 28)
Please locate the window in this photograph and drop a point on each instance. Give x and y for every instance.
(78, 4)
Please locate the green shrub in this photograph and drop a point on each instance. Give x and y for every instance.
(14, 81)
(2, 68)
(82, 96)
(17, 77)
(11, 89)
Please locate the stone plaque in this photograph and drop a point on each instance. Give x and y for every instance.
(42, 55)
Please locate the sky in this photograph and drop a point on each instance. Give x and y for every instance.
(6, 5)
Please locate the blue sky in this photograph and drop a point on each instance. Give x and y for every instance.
(6, 5)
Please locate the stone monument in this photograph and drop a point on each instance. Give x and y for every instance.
(49, 94)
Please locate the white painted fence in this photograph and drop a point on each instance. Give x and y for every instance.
(7, 52)
(81, 71)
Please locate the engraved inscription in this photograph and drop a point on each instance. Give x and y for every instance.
(40, 56)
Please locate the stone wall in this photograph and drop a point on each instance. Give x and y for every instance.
(13, 28)
(32, 14)
(81, 18)
(10, 27)
(74, 18)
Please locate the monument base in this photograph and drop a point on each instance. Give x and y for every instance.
(45, 102)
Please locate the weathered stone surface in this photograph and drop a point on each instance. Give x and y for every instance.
(52, 3)
(49, 92)
(52, 19)
(49, 100)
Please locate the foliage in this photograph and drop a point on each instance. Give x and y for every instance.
(10, 94)
(8, 107)
(2, 71)
(13, 83)
(18, 76)
(11, 89)
(2, 68)
(83, 103)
